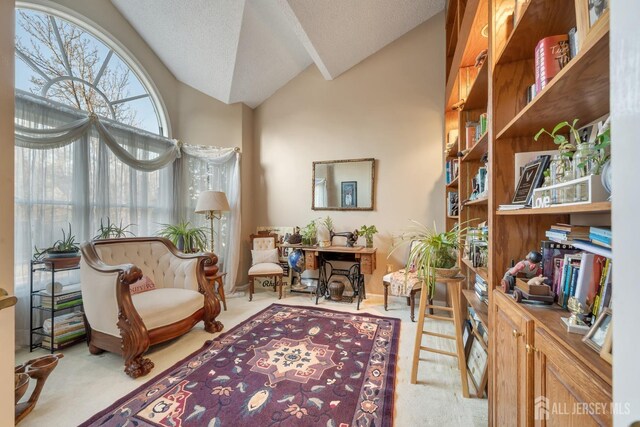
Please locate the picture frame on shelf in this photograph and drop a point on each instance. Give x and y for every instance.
(349, 194)
(592, 20)
(606, 352)
(596, 9)
(597, 335)
(477, 363)
(530, 179)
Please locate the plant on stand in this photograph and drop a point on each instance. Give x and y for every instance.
(368, 232)
(187, 238)
(64, 248)
(433, 254)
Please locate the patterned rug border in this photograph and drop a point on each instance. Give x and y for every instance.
(388, 394)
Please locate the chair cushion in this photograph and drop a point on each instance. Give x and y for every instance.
(402, 284)
(164, 306)
(263, 256)
(265, 268)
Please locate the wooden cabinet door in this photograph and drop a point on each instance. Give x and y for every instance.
(566, 392)
(512, 367)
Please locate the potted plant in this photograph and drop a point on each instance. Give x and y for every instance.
(324, 228)
(564, 145)
(368, 231)
(111, 230)
(309, 233)
(63, 248)
(433, 254)
(187, 238)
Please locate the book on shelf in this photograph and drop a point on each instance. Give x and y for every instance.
(602, 232)
(603, 297)
(573, 42)
(511, 207)
(63, 320)
(46, 303)
(551, 55)
(451, 170)
(552, 253)
(62, 298)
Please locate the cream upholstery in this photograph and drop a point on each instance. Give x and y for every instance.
(168, 272)
(263, 243)
(265, 268)
(162, 307)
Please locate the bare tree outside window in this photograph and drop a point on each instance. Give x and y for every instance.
(71, 67)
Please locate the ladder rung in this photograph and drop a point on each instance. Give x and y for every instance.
(434, 334)
(433, 316)
(435, 350)
(439, 307)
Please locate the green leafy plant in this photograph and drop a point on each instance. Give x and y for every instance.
(111, 230)
(187, 238)
(309, 232)
(66, 245)
(368, 231)
(432, 250)
(564, 145)
(602, 154)
(328, 222)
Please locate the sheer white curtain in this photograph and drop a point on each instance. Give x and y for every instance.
(79, 180)
(320, 193)
(204, 168)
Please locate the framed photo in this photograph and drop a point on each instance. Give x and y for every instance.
(592, 20)
(349, 194)
(530, 179)
(477, 364)
(607, 348)
(597, 335)
(597, 8)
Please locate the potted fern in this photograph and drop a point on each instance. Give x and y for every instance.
(433, 254)
(187, 238)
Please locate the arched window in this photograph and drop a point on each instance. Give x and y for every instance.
(73, 65)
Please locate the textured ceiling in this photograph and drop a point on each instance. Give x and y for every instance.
(245, 50)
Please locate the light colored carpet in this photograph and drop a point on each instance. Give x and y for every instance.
(83, 384)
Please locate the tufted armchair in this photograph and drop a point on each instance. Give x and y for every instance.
(125, 323)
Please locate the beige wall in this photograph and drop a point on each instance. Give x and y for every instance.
(388, 107)
(7, 325)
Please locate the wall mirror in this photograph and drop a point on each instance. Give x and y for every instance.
(343, 185)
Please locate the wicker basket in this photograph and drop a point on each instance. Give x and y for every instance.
(446, 273)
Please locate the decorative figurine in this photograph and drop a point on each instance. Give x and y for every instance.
(529, 267)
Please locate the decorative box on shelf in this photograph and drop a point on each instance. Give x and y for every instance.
(580, 191)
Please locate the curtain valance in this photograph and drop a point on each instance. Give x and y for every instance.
(43, 124)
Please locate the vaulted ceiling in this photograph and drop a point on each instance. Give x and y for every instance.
(245, 50)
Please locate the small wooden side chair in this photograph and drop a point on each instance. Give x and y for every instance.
(264, 254)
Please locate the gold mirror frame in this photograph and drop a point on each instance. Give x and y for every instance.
(337, 208)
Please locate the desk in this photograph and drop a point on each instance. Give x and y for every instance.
(363, 259)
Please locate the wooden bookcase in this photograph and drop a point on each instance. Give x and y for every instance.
(531, 354)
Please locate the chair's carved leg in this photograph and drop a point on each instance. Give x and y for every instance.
(251, 289)
(135, 338)
(386, 295)
(211, 308)
(279, 282)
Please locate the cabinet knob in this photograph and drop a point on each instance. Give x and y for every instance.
(531, 349)
(516, 334)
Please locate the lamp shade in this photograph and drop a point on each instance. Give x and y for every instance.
(212, 201)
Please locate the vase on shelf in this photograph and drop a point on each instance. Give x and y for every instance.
(559, 167)
(583, 165)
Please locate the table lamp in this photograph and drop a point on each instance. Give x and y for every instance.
(212, 203)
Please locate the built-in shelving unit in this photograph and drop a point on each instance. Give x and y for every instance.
(524, 334)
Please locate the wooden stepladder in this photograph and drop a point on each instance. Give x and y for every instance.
(454, 291)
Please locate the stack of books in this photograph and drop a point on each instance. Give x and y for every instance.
(600, 236)
(66, 329)
(70, 296)
(451, 170)
(567, 233)
(481, 289)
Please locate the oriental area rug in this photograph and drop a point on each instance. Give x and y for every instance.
(285, 366)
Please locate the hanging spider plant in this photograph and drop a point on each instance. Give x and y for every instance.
(431, 251)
